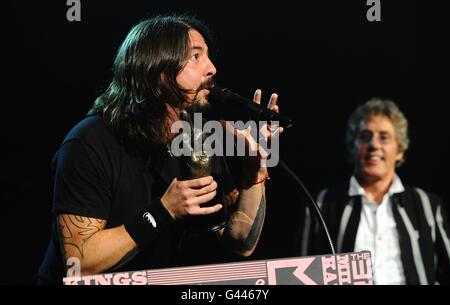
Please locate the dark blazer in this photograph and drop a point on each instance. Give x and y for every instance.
(422, 224)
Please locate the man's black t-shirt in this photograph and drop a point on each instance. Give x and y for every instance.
(96, 176)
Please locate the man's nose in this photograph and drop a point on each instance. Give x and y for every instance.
(374, 142)
(210, 68)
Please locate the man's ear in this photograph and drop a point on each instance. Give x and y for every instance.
(400, 154)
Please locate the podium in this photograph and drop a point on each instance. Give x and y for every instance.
(353, 268)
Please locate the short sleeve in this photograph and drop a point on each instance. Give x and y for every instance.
(82, 183)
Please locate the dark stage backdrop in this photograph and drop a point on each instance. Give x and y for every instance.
(322, 57)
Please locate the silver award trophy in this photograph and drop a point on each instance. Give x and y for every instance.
(201, 163)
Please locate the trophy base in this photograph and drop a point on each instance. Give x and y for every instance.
(204, 224)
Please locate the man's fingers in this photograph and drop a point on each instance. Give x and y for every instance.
(199, 200)
(229, 128)
(199, 182)
(257, 96)
(273, 101)
(206, 210)
(205, 190)
(276, 132)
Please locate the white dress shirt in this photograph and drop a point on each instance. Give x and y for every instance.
(377, 232)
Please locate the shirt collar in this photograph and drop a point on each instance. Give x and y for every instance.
(355, 189)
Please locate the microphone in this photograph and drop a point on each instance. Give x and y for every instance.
(230, 106)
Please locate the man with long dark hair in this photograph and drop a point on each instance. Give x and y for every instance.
(118, 204)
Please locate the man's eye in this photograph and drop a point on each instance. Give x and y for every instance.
(195, 56)
(364, 137)
(384, 137)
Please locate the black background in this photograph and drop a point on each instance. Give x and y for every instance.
(323, 58)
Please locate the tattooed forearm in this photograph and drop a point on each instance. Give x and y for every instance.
(75, 231)
(256, 228)
(243, 232)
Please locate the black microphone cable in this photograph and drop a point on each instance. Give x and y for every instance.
(311, 202)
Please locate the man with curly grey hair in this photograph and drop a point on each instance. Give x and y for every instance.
(406, 229)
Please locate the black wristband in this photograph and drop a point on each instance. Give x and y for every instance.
(151, 221)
